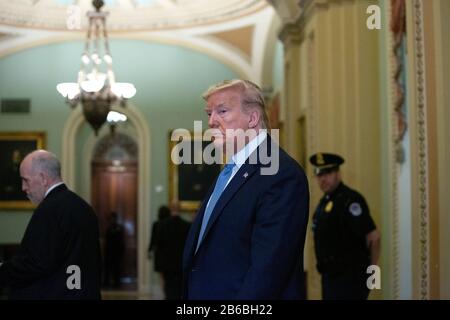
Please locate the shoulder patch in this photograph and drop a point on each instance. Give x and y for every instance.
(355, 209)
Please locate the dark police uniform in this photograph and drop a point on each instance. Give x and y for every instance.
(340, 224)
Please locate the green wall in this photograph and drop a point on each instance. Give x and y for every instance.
(169, 82)
(278, 68)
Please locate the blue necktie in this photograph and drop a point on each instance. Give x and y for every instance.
(218, 189)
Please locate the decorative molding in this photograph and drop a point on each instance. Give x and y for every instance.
(263, 22)
(203, 45)
(121, 145)
(199, 39)
(398, 31)
(288, 10)
(292, 32)
(422, 153)
(126, 15)
(393, 147)
(303, 4)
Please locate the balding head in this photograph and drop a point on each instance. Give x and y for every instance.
(46, 162)
(39, 170)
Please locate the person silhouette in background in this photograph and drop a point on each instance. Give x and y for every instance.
(153, 249)
(172, 237)
(114, 250)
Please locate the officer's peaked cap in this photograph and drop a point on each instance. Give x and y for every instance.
(325, 162)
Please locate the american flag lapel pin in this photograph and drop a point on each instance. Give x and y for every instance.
(245, 175)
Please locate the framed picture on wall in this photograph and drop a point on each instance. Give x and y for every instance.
(14, 147)
(189, 182)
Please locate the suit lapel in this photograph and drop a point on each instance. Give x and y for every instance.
(197, 224)
(241, 177)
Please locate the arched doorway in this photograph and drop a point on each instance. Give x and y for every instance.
(114, 169)
(71, 131)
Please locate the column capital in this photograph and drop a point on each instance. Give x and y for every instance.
(291, 32)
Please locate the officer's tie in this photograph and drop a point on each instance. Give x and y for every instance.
(218, 189)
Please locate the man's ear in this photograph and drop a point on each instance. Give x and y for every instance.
(43, 178)
(254, 118)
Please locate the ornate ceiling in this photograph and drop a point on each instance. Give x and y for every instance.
(125, 15)
(240, 33)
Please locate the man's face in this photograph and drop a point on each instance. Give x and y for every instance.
(225, 112)
(33, 183)
(329, 181)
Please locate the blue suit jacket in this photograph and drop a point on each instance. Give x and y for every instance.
(253, 244)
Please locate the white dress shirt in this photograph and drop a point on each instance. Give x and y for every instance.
(52, 187)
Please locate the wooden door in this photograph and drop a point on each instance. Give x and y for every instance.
(114, 188)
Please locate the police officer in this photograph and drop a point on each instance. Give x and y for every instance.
(345, 236)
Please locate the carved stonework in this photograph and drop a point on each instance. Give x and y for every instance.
(396, 15)
(291, 34)
(398, 28)
(127, 15)
(116, 147)
(422, 148)
(292, 31)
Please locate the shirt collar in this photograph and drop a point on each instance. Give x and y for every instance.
(53, 187)
(242, 156)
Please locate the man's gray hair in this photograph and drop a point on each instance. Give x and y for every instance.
(252, 96)
(48, 163)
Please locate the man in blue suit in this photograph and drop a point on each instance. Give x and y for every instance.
(248, 237)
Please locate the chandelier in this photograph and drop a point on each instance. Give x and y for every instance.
(96, 89)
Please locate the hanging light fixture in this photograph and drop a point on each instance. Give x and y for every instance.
(96, 89)
(114, 118)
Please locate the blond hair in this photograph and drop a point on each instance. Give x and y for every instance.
(251, 97)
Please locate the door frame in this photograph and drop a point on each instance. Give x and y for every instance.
(68, 165)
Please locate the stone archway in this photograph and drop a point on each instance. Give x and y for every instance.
(68, 161)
